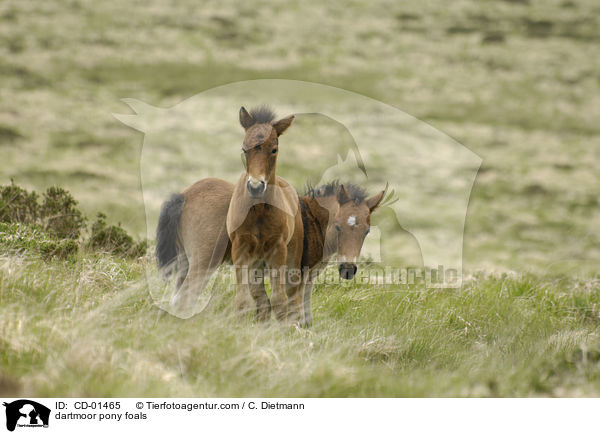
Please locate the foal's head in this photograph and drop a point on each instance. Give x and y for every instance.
(260, 147)
(349, 221)
(352, 223)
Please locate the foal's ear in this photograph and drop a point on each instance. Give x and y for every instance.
(374, 201)
(282, 124)
(246, 119)
(342, 195)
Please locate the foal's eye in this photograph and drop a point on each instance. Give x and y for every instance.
(338, 228)
(274, 151)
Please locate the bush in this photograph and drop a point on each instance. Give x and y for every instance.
(60, 214)
(18, 205)
(114, 239)
(54, 228)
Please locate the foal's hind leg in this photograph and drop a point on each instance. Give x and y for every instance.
(196, 270)
(182, 269)
(202, 239)
(185, 298)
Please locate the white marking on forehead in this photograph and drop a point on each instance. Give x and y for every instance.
(352, 221)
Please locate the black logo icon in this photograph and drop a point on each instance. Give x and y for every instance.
(26, 413)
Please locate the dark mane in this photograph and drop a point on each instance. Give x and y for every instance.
(262, 114)
(356, 193)
(323, 190)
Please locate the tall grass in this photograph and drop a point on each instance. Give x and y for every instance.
(89, 328)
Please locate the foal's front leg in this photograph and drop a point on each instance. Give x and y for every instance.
(308, 289)
(258, 292)
(250, 279)
(277, 265)
(251, 285)
(240, 255)
(295, 292)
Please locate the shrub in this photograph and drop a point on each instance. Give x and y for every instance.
(114, 239)
(60, 214)
(18, 205)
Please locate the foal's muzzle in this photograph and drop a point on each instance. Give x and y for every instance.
(256, 188)
(347, 270)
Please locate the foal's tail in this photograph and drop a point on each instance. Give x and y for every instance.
(166, 232)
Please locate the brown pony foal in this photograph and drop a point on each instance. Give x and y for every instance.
(336, 219)
(264, 224)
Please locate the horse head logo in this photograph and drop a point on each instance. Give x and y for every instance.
(26, 412)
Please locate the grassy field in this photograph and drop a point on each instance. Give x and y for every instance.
(516, 82)
(88, 328)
